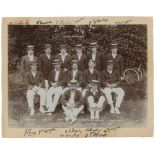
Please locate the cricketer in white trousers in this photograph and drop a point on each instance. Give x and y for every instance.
(53, 96)
(95, 108)
(72, 113)
(119, 95)
(31, 96)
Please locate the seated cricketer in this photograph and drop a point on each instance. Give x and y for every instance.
(57, 83)
(90, 74)
(75, 74)
(35, 85)
(72, 102)
(111, 82)
(95, 99)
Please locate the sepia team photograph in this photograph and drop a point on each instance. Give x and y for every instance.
(86, 75)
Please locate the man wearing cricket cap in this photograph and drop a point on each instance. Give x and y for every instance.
(95, 99)
(35, 86)
(57, 82)
(110, 80)
(66, 59)
(75, 74)
(95, 56)
(90, 74)
(80, 57)
(46, 60)
(72, 102)
(117, 59)
(25, 62)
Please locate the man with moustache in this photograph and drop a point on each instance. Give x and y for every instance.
(80, 57)
(95, 56)
(66, 59)
(72, 102)
(26, 60)
(117, 59)
(45, 63)
(35, 86)
(75, 74)
(95, 99)
(57, 83)
(110, 80)
(90, 74)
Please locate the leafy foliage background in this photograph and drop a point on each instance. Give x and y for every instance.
(131, 39)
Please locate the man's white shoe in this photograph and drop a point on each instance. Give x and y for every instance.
(31, 112)
(117, 110)
(112, 110)
(42, 110)
(73, 119)
(48, 114)
(92, 115)
(97, 115)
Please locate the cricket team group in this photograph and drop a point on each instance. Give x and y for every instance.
(81, 82)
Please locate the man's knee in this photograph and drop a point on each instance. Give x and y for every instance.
(58, 90)
(81, 107)
(120, 91)
(50, 91)
(101, 100)
(107, 91)
(42, 92)
(30, 93)
(90, 99)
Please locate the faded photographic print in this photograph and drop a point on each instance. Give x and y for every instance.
(78, 77)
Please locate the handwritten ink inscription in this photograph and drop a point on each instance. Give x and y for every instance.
(20, 22)
(99, 132)
(34, 132)
(72, 21)
(71, 132)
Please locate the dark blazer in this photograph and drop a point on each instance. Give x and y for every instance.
(89, 77)
(96, 96)
(78, 98)
(82, 63)
(78, 77)
(61, 78)
(103, 61)
(34, 81)
(98, 61)
(67, 64)
(25, 64)
(45, 65)
(107, 78)
(118, 63)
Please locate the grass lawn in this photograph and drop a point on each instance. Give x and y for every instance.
(133, 109)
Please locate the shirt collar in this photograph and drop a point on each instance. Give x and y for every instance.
(56, 70)
(33, 71)
(94, 53)
(91, 70)
(110, 72)
(63, 55)
(93, 90)
(114, 55)
(30, 55)
(48, 54)
(79, 53)
(74, 70)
